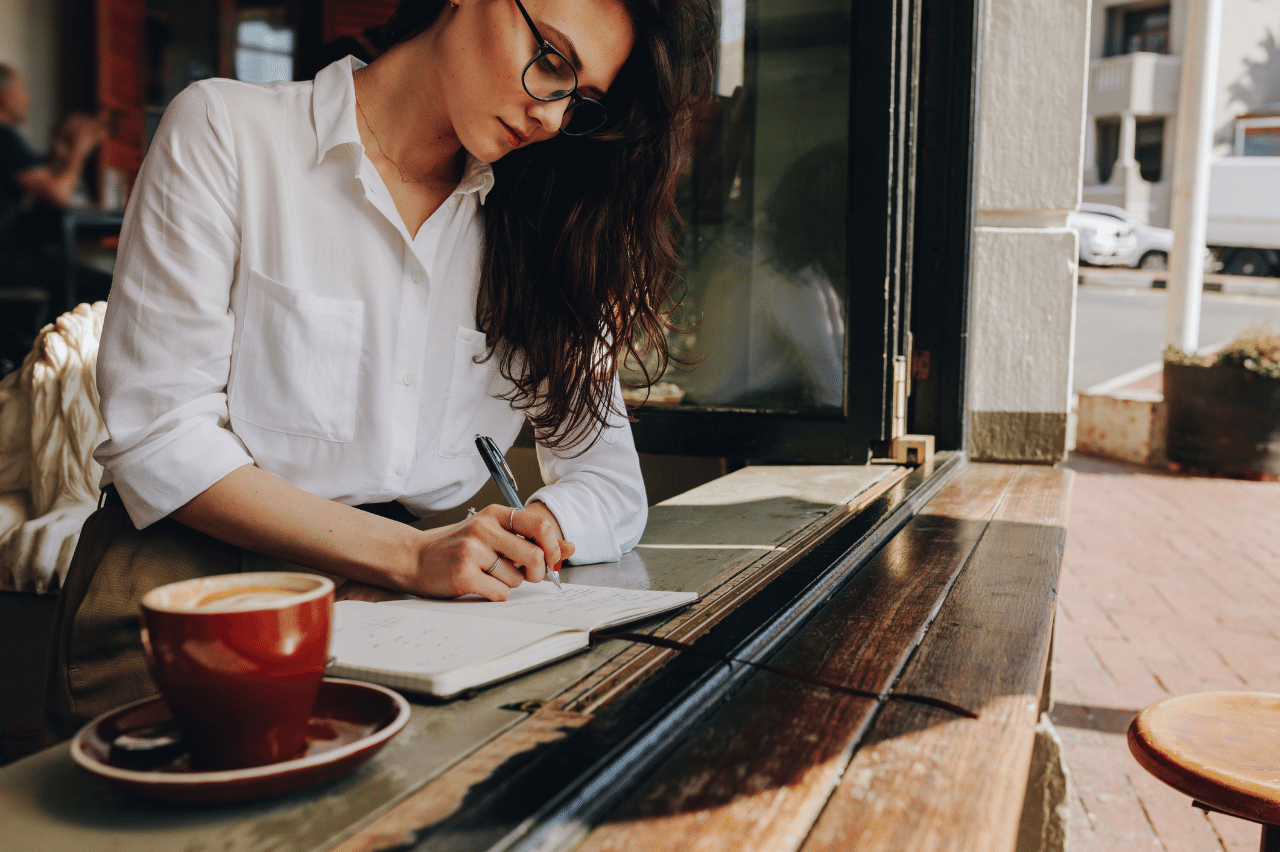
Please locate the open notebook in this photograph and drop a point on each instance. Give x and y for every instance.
(443, 647)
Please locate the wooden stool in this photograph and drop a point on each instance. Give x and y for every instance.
(1220, 748)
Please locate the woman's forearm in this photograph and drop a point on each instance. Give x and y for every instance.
(253, 509)
(258, 511)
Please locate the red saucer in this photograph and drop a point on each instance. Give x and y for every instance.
(350, 723)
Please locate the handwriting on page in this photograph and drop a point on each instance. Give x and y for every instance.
(581, 607)
(376, 636)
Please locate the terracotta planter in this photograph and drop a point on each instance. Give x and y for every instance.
(1223, 419)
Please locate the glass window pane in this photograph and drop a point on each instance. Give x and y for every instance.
(764, 207)
(1148, 148)
(1147, 30)
(264, 47)
(1262, 142)
(1108, 147)
(261, 33)
(260, 66)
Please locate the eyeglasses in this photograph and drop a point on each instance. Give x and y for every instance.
(549, 76)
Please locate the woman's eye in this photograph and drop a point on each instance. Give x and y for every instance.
(552, 63)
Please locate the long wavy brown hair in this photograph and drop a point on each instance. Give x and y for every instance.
(581, 263)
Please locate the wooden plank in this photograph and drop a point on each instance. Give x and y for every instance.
(925, 779)
(757, 776)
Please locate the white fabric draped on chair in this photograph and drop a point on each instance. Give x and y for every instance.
(49, 427)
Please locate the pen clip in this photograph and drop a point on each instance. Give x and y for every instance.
(500, 458)
(499, 469)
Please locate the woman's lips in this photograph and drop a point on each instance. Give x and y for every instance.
(515, 136)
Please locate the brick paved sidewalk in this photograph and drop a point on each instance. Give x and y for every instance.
(1170, 584)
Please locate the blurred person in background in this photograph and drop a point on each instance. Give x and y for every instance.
(34, 190)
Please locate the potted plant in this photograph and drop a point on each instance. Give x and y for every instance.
(1224, 409)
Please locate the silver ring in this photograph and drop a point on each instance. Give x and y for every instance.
(471, 513)
(511, 521)
(494, 566)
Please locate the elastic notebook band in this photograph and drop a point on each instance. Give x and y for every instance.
(660, 642)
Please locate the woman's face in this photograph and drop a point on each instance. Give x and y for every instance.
(486, 45)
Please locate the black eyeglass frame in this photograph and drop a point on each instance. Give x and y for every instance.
(545, 47)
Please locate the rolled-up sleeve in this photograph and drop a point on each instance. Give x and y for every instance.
(167, 338)
(598, 496)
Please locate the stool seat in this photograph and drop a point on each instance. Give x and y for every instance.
(1221, 748)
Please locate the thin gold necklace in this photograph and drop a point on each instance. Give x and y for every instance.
(387, 157)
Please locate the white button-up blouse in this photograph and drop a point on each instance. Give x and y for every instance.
(269, 307)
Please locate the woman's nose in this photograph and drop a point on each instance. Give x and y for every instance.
(550, 114)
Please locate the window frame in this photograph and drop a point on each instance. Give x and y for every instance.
(1116, 42)
(913, 66)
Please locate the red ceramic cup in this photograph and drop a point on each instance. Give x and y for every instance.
(239, 659)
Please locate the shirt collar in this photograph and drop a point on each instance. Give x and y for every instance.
(333, 107)
(477, 177)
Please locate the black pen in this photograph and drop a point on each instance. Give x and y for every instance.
(506, 482)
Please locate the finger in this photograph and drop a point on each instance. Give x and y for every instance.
(489, 588)
(519, 551)
(538, 530)
(566, 551)
(512, 545)
(507, 573)
(536, 572)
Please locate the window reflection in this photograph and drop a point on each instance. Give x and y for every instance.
(764, 206)
(264, 46)
(773, 325)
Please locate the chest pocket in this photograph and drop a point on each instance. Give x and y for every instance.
(297, 362)
(472, 408)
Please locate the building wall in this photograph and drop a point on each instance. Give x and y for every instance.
(1023, 269)
(1249, 67)
(28, 42)
(1248, 81)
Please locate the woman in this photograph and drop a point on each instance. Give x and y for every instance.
(325, 290)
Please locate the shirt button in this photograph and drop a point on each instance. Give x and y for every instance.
(408, 378)
(401, 468)
(417, 276)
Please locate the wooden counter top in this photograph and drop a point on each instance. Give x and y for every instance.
(727, 539)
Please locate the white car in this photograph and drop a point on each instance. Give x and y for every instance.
(1104, 241)
(1151, 245)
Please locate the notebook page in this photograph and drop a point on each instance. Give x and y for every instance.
(580, 607)
(385, 638)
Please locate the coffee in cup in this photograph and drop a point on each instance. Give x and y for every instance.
(239, 659)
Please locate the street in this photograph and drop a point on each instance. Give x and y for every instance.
(1122, 329)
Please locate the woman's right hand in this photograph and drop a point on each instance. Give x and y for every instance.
(489, 554)
(253, 509)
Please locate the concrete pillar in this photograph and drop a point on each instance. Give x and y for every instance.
(1090, 174)
(1029, 132)
(1128, 173)
(1128, 140)
(1194, 150)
